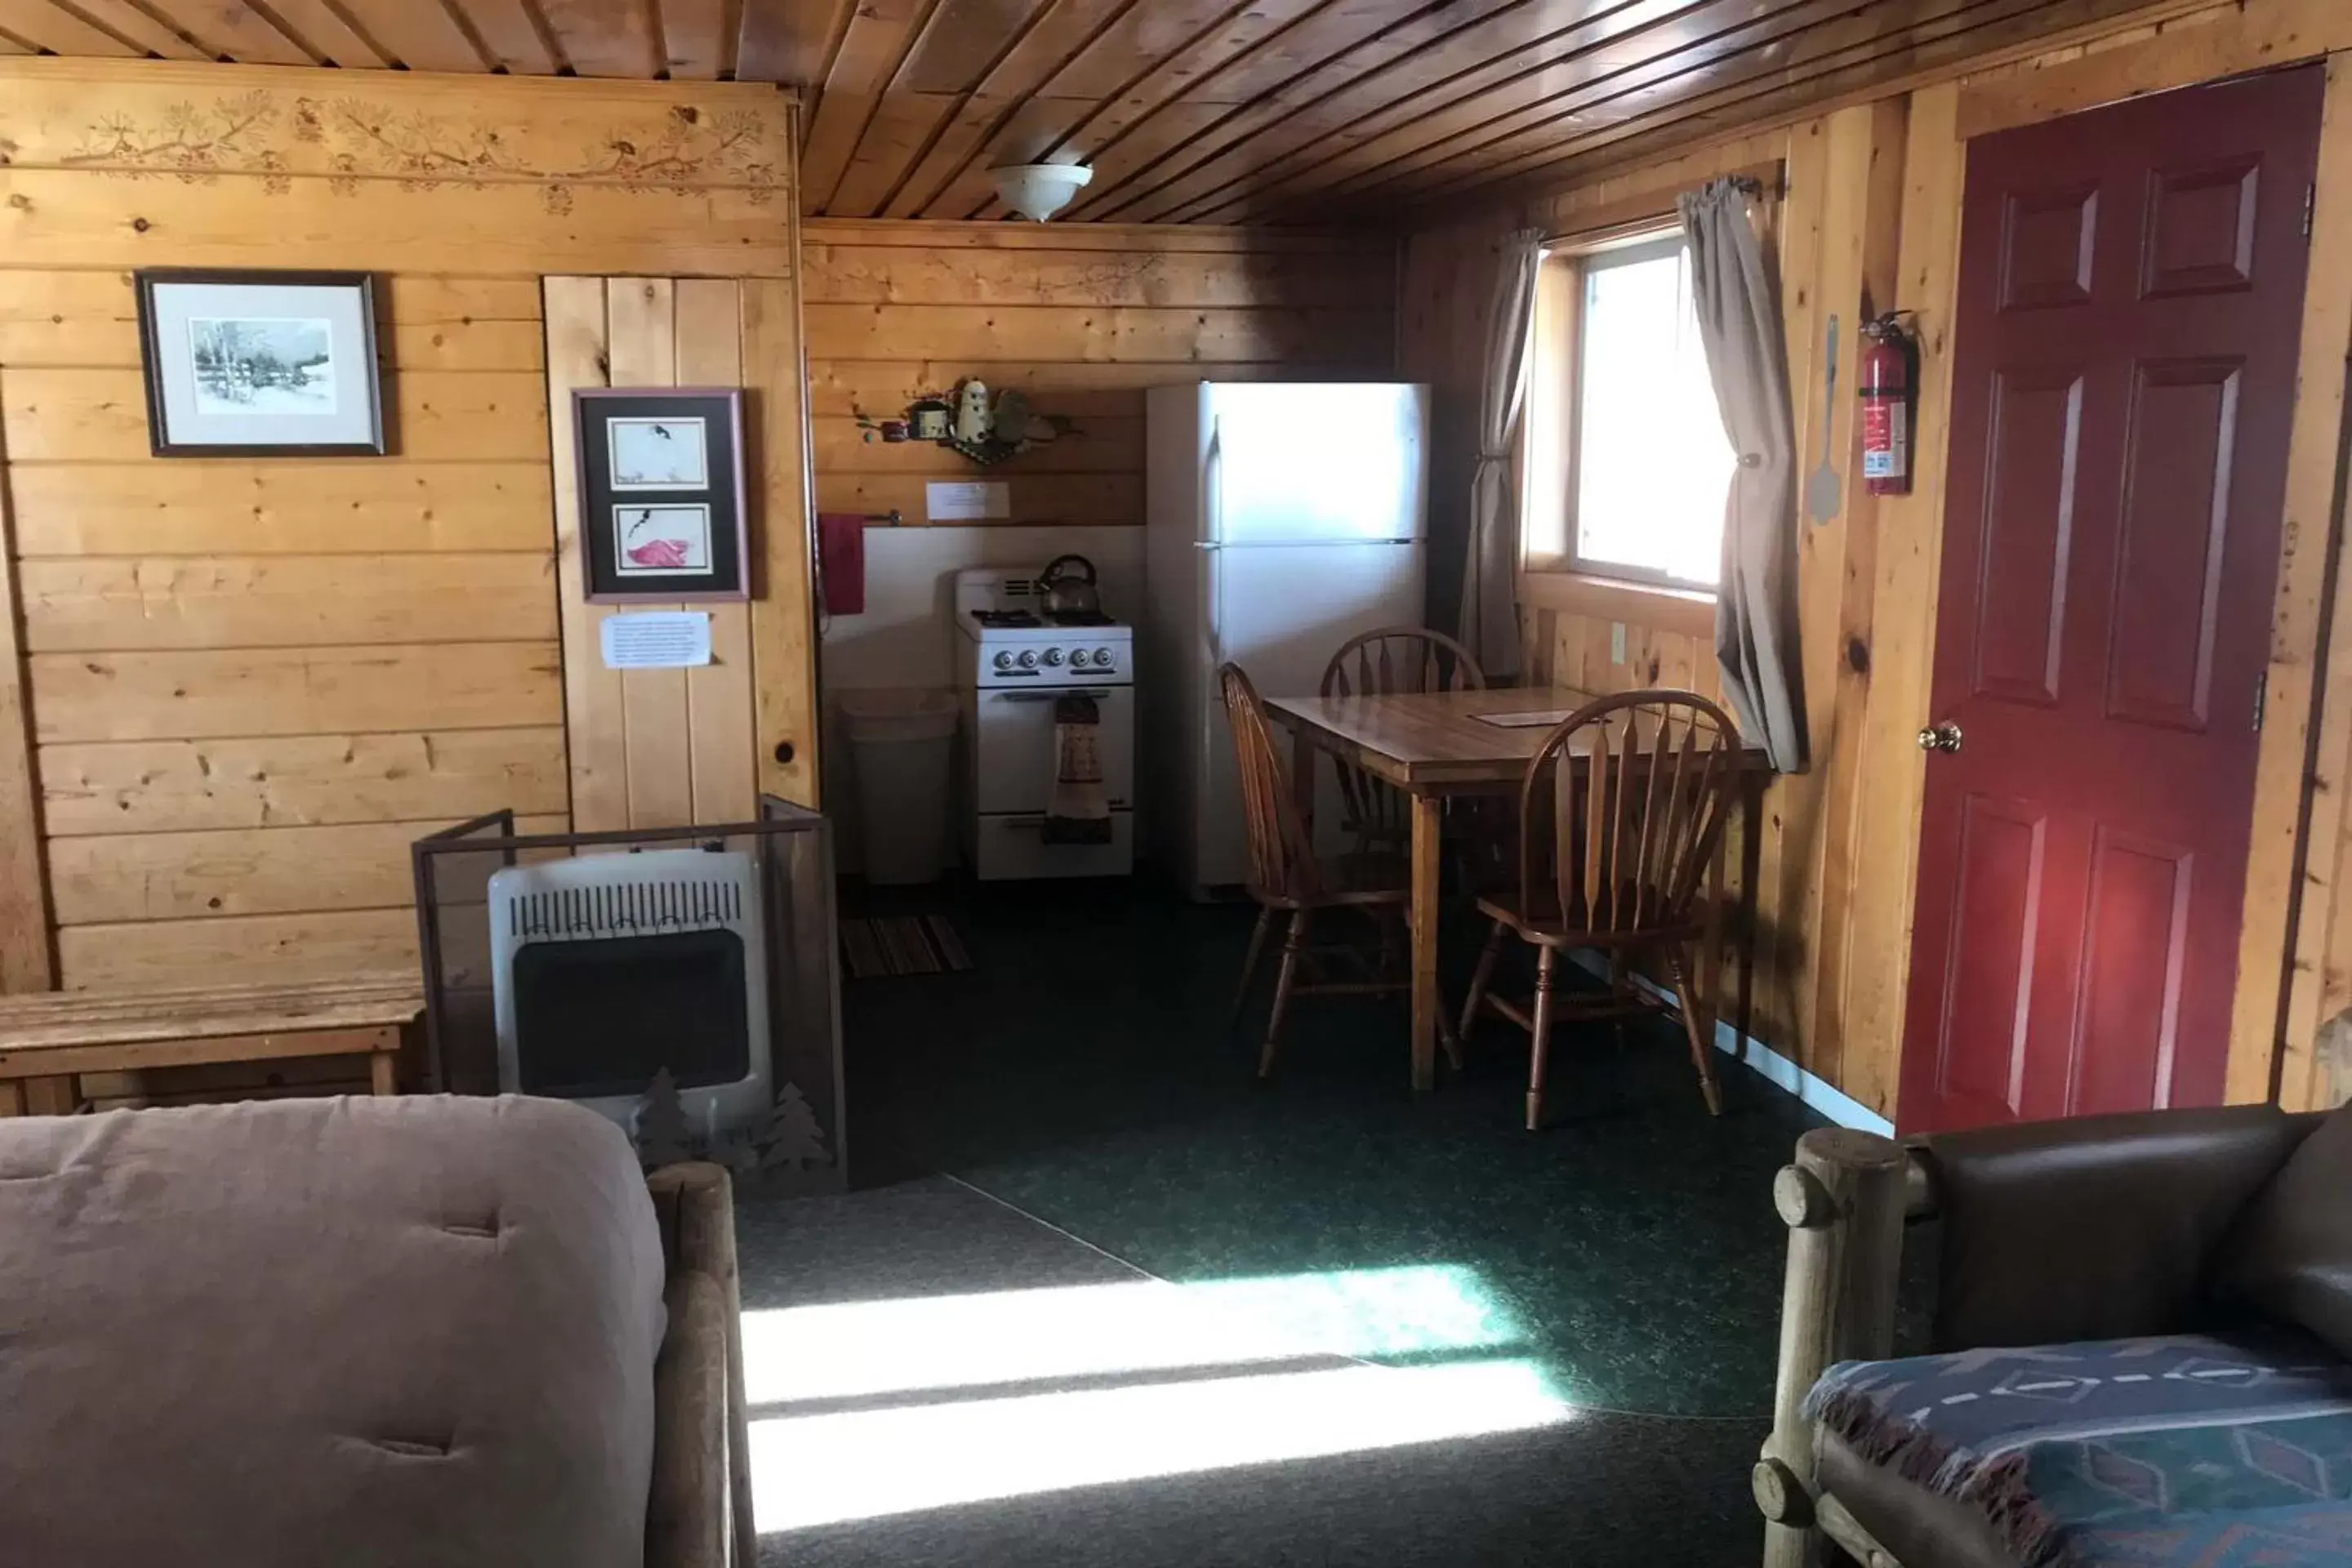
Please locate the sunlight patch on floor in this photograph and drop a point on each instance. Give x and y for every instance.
(862, 1348)
(871, 1408)
(829, 1469)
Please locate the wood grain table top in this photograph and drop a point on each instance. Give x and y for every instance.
(66, 1018)
(1437, 740)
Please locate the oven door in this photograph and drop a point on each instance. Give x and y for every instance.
(1014, 759)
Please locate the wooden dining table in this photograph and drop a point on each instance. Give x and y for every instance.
(1437, 746)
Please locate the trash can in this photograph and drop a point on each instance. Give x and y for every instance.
(901, 740)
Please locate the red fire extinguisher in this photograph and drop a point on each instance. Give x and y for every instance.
(1889, 353)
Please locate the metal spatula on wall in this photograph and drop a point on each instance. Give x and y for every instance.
(1824, 493)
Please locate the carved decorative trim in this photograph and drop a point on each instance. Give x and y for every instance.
(360, 142)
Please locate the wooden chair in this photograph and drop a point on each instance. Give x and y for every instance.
(1615, 854)
(1394, 658)
(1284, 876)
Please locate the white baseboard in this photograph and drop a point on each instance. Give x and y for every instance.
(1776, 1068)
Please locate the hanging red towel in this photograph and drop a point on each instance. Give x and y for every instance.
(841, 559)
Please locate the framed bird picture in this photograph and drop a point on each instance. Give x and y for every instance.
(662, 493)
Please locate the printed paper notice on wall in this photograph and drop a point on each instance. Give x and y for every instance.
(656, 640)
(974, 501)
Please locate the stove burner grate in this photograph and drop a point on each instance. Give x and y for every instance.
(1006, 619)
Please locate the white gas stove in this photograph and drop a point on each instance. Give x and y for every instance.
(1013, 663)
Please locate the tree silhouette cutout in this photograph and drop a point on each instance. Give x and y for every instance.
(663, 1136)
(796, 1142)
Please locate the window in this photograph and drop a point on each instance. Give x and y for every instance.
(1627, 462)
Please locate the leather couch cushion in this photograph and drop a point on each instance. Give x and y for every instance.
(2290, 1255)
(377, 1333)
(2101, 1227)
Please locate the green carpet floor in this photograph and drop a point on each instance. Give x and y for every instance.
(1081, 1073)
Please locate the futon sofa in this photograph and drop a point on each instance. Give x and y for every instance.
(2140, 1347)
(371, 1332)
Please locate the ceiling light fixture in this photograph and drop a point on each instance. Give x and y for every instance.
(1038, 191)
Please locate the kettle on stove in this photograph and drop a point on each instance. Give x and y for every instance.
(1064, 593)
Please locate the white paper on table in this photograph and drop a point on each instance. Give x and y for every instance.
(656, 640)
(969, 501)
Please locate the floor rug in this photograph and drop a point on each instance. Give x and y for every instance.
(888, 945)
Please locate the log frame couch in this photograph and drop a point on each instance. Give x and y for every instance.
(2140, 1348)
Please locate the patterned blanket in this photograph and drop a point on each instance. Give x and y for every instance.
(2190, 1451)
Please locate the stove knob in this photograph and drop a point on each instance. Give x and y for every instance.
(1079, 659)
(1004, 661)
(1028, 658)
(1102, 658)
(1053, 657)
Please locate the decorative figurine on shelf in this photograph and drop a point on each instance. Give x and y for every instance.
(971, 422)
(987, 429)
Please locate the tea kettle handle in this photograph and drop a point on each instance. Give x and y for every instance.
(1052, 572)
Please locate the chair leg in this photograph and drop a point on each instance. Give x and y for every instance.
(1249, 965)
(1696, 1025)
(1620, 991)
(1479, 976)
(1293, 946)
(1546, 956)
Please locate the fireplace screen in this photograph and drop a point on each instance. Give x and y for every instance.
(580, 965)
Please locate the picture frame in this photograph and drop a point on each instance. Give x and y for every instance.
(252, 362)
(662, 511)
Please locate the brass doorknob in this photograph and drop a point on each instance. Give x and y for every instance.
(1944, 737)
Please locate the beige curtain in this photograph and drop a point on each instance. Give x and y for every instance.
(1489, 622)
(1755, 606)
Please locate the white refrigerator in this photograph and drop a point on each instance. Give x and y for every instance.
(1282, 519)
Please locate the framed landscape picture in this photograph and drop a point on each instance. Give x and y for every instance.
(661, 493)
(260, 365)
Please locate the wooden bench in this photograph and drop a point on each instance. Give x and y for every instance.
(49, 1041)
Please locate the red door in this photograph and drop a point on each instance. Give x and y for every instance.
(2130, 294)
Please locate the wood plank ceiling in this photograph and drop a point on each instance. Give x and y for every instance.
(1190, 111)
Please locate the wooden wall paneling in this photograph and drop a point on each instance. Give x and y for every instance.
(166, 786)
(101, 604)
(239, 871)
(321, 945)
(2298, 772)
(720, 703)
(239, 692)
(27, 961)
(1866, 170)
(641, 350)
(2197, 49)
(1901, 648)
(597, 734)
(279, 507)
(783, 616)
